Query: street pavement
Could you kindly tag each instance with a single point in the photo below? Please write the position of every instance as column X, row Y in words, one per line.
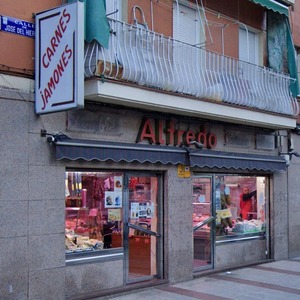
column 279, row 280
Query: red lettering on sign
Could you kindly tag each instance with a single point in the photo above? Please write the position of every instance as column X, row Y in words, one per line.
column 146, row 132
column 212, row 141
column 56, row 38
column 56, row 75
column 188, row 137
column 153, row 131
column 170, row 131
column 159, row 132
column 178, row 137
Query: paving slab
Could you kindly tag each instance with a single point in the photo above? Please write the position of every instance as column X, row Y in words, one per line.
column 274, row 280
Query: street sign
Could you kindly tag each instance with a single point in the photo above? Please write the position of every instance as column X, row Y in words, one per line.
column 17, row 26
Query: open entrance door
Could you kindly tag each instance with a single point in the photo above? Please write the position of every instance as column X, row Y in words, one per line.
column 202, row 223
column 142, row 230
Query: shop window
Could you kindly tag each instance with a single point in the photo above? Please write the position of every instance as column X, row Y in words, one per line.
column 240, row 205
column 237, row 204
column 94, row 207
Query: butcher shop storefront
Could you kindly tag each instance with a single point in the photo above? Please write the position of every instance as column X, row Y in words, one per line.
column 144, row 191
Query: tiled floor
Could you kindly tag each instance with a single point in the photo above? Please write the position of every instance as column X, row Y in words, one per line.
column 275, row 281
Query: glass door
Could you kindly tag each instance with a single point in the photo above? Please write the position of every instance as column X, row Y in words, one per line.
column 142, row 229
column 202, row 223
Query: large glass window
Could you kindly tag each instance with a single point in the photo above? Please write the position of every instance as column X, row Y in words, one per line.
column 94, row 207
column 234, row 205
column 240, row 203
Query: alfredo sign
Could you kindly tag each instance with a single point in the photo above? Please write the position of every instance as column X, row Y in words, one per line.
column 59, row 82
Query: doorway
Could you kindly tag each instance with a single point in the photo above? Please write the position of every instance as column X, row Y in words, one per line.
column 142, row 230
column 202, row 223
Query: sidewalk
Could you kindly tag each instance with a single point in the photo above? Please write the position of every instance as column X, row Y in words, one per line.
column 275, row 280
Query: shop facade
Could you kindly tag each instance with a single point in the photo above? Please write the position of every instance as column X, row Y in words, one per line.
column 144, row 184
column 113, row 205
column 140, row 195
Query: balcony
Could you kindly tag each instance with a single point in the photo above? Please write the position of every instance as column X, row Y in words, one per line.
column 144, row 58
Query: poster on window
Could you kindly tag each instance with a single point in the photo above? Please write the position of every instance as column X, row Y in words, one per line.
column 150, row 210
column 146, row 210
column 142, row 210
column 118, row 183
column 109, row 199
column 114, row 215
column 113, row 199
column 134, row 210
column 117, row 199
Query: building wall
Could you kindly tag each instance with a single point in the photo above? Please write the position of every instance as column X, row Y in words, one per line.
column 279, row 217
column 18, row 54
column 158, row 15
column 179, row 210
column 31, row 232
column 32, row 192
column 295, row 25
column 242, row 253
column 232, row 14
column 294, row 202
column 293, row 173
column 32, row 229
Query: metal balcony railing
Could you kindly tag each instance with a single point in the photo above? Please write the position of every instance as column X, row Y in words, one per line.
column 146, row 58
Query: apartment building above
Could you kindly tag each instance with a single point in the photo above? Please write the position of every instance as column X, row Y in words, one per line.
column 220, row 60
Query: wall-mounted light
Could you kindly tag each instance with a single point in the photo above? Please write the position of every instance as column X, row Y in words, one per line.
column 197, row 144
column 53, row 137
column 288, row 156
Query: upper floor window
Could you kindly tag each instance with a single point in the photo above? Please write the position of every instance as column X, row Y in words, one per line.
column 188, row 26
column 114, row 9
column 248, row 46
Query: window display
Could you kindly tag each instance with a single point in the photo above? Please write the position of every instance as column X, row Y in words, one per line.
column 93, row 211
column 239, row 204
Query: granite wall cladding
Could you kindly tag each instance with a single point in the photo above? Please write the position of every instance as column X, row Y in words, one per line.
column 86, row 278
column 179, row 227
column 239, row 253
column 294, row 201
column 32, row 253
column 32, row 257
column 279, row 216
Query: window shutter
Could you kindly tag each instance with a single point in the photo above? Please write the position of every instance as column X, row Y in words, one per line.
column 186, row 24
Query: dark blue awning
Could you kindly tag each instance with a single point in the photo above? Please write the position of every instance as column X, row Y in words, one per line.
column 117, row 152
column 88, row 150
column 236, row 161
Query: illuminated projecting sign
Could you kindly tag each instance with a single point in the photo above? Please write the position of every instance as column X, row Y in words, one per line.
column 59, row 43
column 17, row 26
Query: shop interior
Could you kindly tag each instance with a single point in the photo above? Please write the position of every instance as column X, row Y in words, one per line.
column 95, row 209
column 226, row 207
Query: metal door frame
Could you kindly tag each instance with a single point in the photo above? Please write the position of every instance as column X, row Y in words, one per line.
column 158, row 234
column 210, row 220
